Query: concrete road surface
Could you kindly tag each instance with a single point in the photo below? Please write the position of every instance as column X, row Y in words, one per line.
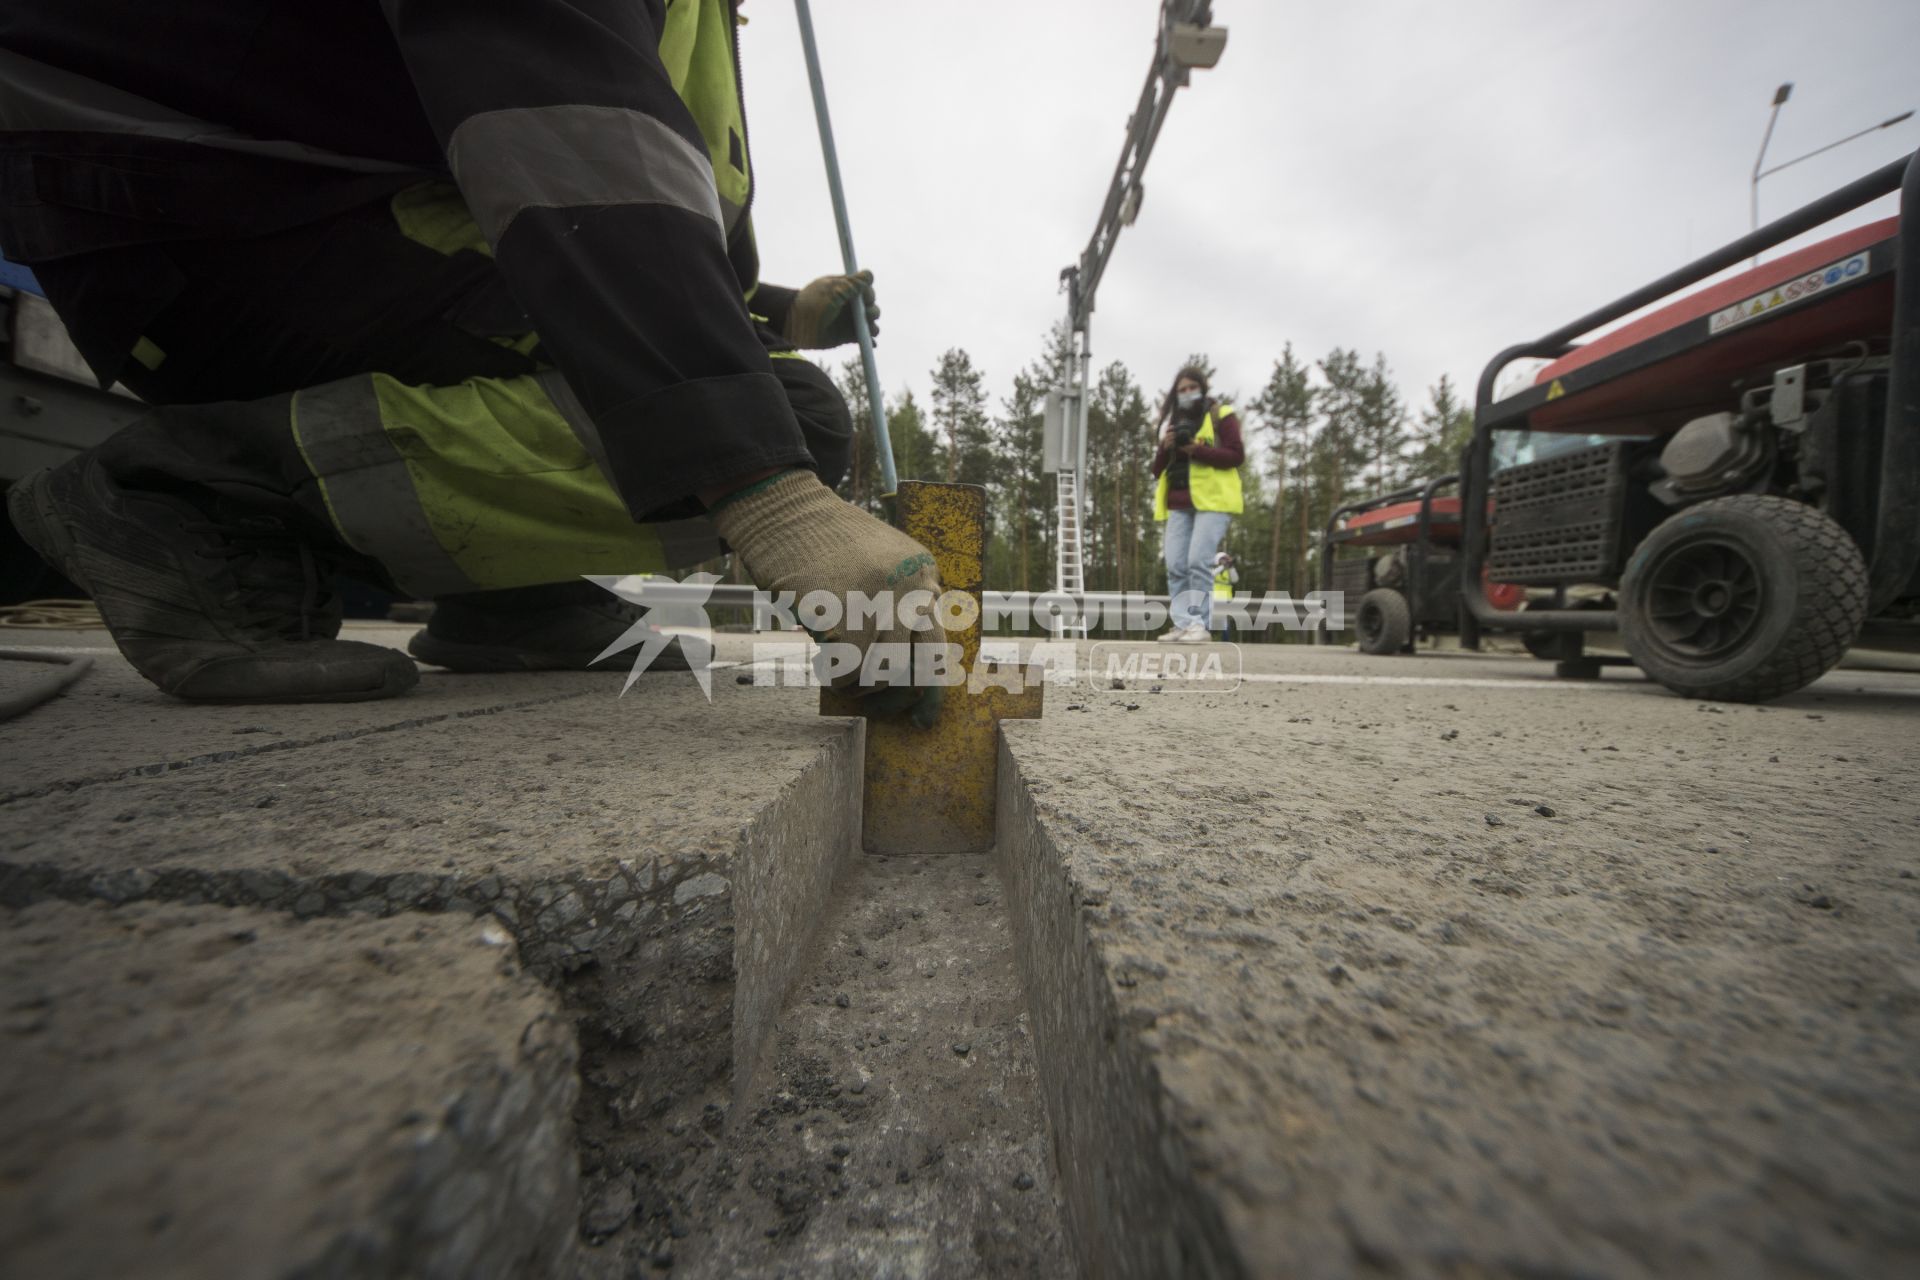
column 1323, row 965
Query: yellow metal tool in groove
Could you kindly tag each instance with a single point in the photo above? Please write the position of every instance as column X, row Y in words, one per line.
column 932, row 790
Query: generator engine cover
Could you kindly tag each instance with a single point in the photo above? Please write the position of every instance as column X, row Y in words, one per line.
column 1711, row 455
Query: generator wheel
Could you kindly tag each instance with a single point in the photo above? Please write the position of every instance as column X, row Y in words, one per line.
column 1383, row 621
column 1743, row 599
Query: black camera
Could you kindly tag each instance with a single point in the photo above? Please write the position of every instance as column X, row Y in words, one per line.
column 1186, row 425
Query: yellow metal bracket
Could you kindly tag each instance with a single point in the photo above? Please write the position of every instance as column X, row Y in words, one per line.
column 932, row 790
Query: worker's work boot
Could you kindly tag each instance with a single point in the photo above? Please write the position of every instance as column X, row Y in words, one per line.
column 210, row 601
column 563, row 626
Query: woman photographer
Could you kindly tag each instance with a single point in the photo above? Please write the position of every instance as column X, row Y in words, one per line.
column 1198, row 492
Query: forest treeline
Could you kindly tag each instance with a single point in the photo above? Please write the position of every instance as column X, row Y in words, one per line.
column 1319, row 434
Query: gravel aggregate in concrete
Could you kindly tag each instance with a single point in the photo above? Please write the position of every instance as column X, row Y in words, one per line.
column 606, row 832
column 1368, row 967
column 661, row 860
column 867, row 1146
column 1346, row 1027
column 206, row 1091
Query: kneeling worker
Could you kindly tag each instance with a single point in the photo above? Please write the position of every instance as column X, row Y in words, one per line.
column 464, row 296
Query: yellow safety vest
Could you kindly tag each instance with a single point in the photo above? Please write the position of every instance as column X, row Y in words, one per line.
column 696, row 46
column 1222, row 584
column 1211, row 488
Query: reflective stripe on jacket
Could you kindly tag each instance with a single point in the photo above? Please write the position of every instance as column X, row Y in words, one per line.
column 613, row 188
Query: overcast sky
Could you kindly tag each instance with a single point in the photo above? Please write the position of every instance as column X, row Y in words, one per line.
column 1432, row 181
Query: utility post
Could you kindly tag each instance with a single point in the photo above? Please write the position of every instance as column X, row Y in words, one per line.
column 1186, row 40
column 1780, row 97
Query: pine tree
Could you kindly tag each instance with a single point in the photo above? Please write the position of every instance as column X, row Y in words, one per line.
column 863, row 483
column 1338, row 444
column 1119, row 438
column 960, row 416
column 1446, row 427
column 1383, row 426
column 1285, row 409
column 916, row 453
column 1026, row 498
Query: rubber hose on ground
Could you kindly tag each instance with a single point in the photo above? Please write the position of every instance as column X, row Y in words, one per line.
column 73, row 666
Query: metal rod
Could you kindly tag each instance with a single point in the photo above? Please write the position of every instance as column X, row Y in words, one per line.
column 882, row 446
column 1784, row 164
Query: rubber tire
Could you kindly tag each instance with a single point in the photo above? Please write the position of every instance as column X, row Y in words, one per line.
column 1393, row 621
column 1813, row 598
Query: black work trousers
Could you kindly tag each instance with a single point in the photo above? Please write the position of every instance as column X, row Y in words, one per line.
column 247, row 322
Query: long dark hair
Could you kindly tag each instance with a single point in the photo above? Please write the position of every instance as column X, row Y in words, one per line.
column 1172, row 399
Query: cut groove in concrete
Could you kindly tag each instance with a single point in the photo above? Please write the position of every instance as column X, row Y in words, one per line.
column 670, row 923
column 895, row 1125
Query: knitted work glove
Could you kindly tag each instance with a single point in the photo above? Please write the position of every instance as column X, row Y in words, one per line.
column 822, row 313
column 794, row 535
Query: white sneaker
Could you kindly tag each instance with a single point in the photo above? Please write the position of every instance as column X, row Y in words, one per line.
column 1172, row 635
column 1195, row 634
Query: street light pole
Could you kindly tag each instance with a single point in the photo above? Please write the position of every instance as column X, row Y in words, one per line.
column 1779, row 96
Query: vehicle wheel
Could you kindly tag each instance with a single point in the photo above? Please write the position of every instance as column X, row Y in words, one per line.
column 1743, row 599
column 1384, row 621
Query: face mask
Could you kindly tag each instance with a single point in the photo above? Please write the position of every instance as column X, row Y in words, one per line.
column 1188, row 399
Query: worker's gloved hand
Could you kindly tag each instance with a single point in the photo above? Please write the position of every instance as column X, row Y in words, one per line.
column 822, row 313
column 794, row 534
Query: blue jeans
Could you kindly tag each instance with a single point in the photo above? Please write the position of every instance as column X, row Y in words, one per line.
column 1192, row 539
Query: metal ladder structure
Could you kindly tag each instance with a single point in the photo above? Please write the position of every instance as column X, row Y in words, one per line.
column 1069, row 578
column 1186, row 40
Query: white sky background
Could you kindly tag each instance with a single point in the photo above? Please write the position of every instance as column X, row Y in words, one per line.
column 1435, row 181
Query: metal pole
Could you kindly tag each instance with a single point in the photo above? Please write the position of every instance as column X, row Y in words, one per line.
column 1780, row 96
column 882, row 446
column 1083, row 358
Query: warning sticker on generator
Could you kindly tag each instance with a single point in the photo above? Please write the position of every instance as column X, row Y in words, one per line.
column 1796, row 290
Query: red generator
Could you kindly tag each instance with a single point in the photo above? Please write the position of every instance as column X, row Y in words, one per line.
column 1395, row 559
column 1751, row 506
